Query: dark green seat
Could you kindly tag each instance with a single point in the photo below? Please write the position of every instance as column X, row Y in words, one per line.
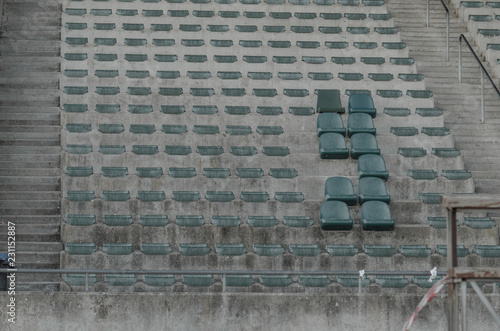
column 120, row 280
column 268, row 249
column 80, row 195
column 186, row 196
column 159, row 280
column 275, row 150
column 379, row 250
column 148, row 172
column 181, row 172
column 480, row 222
column 249, row 172
column 305, row 249
column 329, row 101
column 117, row 248
column 352, row 281
column 372, row 189
column 486, row 250
column 376, row 215
column 422, row 174
column 283, row 172
column 153, row 220
column 80, row 219
column 437, row 222
column 340, row 189
column 254, row 196
column 414, row 250
column 216, row 172
column 360, row 123
column 462, row 251
column 79, row 279
column 189, row 220
column 342, row 250
column 298, row 221
column 424, row 281
column 219, row 196
column 333, row 146
column 262, row 221
column 362, row 103
column 363, row 143
column 334, row 215
column 112, row 149
column 80, row 248
column 198, row 280
column 430, row 198
column 115, row 195
column 239, row 280
column 155, row 249
column 151, row 195
column 330, row 122
column 397, row 281
column 194, row 249
column 226, row 220
column 243, row 150
column 371, row 165
column 79, row 171
column 230, row 249
column 290, row 197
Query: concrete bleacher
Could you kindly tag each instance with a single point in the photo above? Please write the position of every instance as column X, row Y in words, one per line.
column 188, row 92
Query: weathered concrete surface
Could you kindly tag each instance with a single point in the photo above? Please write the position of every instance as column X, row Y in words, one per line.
column 210, row 311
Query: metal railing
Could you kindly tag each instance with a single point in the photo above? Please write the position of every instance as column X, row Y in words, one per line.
column 483, row 72
column 447, row 27
column 222, row 273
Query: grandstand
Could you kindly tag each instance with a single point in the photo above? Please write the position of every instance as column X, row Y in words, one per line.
column 276, row 147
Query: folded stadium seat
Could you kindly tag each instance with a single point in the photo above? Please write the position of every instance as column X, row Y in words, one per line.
column 173, row 172
column 198, row 280
column 79, row 279
column 80, row 248
column 249, row 172
column 79, row 171
column 424, row 281
column 155, row 248
column 298, row 221
column 75, row 56
column 80, row 219
column 283, row 172
column 340, row 189
column 117, row 220
column 268, row 249
column 225, row 220
column 333, row 146
column 153, row 220
column 391, row 281
column 120, row 280
column 330, row 122
column 362, row 103
column 230, row 249
column 371, row 165
column 80, row 195
column 334, row 215
column 239, row 280
column 379, row 250
column 437, row 222
column 304, row 249
column 262, row 221
column 372, row 189
column 118, row 248
column 329, row 101
column 151, row 195
column 116, row 195
column 216, row 172
column 414, row 250
column 462, row 251
column 342, row 250
column 194, row 249
column 360, row 123
column 376, row 215
column 314, row 281
column 159, row 280
column 422, row 174
column 363, row 143
column 478, row 222
column 111, row 149
column 486, row 250
column 219, row 196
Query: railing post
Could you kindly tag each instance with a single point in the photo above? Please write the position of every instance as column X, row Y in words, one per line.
column 464, row 305
column 224, row 283
column 428, row 13
column 447, row 35
column 482, row 95
column 460, row 59
column 86, row 282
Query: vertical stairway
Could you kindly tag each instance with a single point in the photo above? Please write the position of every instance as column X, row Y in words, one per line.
column 30, row 136
column 461, row 103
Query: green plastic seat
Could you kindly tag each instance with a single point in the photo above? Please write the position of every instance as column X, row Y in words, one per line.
column 305, row 249
column 330, row 30
column 173, row 110
column 117, row 220
column 274, row 28
column 79, row 171
column 75, row 11
column 358, row 29
column 340, row 189
column 379, row 250
column 181, row 172
column 360, row 123
column 289, row 197
column 206, row 129
column 111, row 149
column 126, row 12
column 149, row 172
column 80, row 195
column 269, row 130
column 373, row 2
column 75, row 56
column 190, row 220
column 405, row 131
column 269, row 111
column 302, row 111
column 216, row 172
column 390, row 93
column 177, row 150
column 141, row 74
column 262, row 221
column 402, row 61
column 343, row 60
column 412, row 151
column 391, row 281
column 198, row 280
column 226, row 220
column 254, row 196
column 380, row 17
column 75, row 90
column 79, row 279
column 219, row 196
column 238, row 130
column 76, row 73
column 320, row 75
column 140, row 109
column 159, row 280
column 249, row 172
column 144, row 149
column 333, row 146
column 230, row 249
column 436, row 131
column 350, row 76
column 397, row 112
column 80, row 219
column 480, row 222
column 414, row 250
column 284, row 59
column 275, row 150
column 229, row 74
column 233, row 92
column 275, row 280
column 371, row 165
column 165, row 58
column 363, row 143
column 471, row 4
column 423, row 281
column 120, row 280
column 372, row 189
column 117, row 248
column 342, row 250
column 352, row 281
column 437, row 222
column 234, row 14
column 170, row 91
column 280, row 15
column 174, row 128
column 250, row 43
column 422, row 174
column 298, row 221
column 486, row 250
column 376, row 216
column 142, row 128
column 430, row 198
column 362, row 103
column 114, row 171
column 78, row 149
column 329, row 101
column 355, row 16
column 153, row 220
column 107, row 90
column 263, row 92
column 348, row 2
column 446, row 152
column 334, row 215
column 205, row 109
column 462, row 251
column 194, row 249
column 111, row 128
column 373, row 60
column 283, row 172
column 386, row 30
column 237, row 110
column 186, row 196
column 268, row 249
column 331, row 16
column 239, row 280
column 314, row 59
column 80, row 248
column 150, row 196
column 259, row 75
column 243, row 150
column 209, row 150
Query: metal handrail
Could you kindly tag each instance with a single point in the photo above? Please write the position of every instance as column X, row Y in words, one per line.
column 223, row 273
column 483, row 72
column 447, row 27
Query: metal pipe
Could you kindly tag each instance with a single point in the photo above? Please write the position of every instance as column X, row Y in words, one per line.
column 464, row 305
column 460, row 59
column 86, row 282
column 223, row 283
column 482, row 96
column 485, row 301
column 447, row 34
column 428, row 12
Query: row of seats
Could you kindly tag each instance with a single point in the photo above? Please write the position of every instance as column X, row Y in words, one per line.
column 301, row 250
column 186, row 196
column 248, row 280
column 369, row 189
column 189, row 220
column 187, row 172
column 179, row 150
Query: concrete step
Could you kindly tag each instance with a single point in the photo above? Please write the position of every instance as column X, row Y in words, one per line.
column 29, row 150
column 31, row 219
column 33, row 233
column 8, row 110
column 39, row 196
column 33, row 247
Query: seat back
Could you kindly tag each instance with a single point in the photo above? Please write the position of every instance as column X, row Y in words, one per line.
column 360, row 123
column 372, row 165
column 340, row 189
column 330, row 122
column 362, row 103
column 329, row 101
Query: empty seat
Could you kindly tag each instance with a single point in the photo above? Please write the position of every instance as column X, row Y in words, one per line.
column 249, row 172
column 80, row 219
column 391, row 281
column 151, row 195
column 462, row 251
column 80, row 248
column 480, row 222
column 153, row 220
column 340, row 189
column 254, row 196
column 290, row 197
column 226, row 220
column 305, row 249
column 456, row 174
column 486, row 250
column 115, row 195
column 181, row 172
column 298, row 221
column 155, row 248
column 117, row 248
column 334, row 215
column 230, row 249
column 363, row 143
column 79, row 171
column 79, row 279
column 198, row 280
column 371, row 165
column 189, row 220
column 283, row 172
column 376, row 215
column 379, row 250
column 360, row 123
column 159, row 280
column 329, row 101
column 333, row 146
column 362, row 103
column 422, row 174
column 353, row 281
column 342, row 250
column 430, row 198
column 216, row 172
column 330, row 122
column 372, row 189
column 186, row 196
column 80, row 195
column 239, row 280
column 120, row 280
column 262, row 221
column 414, row 250
column 148, row 172
column 437, row 222
column 275, row 280
column 219, row 196
column 268, row 249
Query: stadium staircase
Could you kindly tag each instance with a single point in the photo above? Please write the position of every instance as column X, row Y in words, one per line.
column 30, row 189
